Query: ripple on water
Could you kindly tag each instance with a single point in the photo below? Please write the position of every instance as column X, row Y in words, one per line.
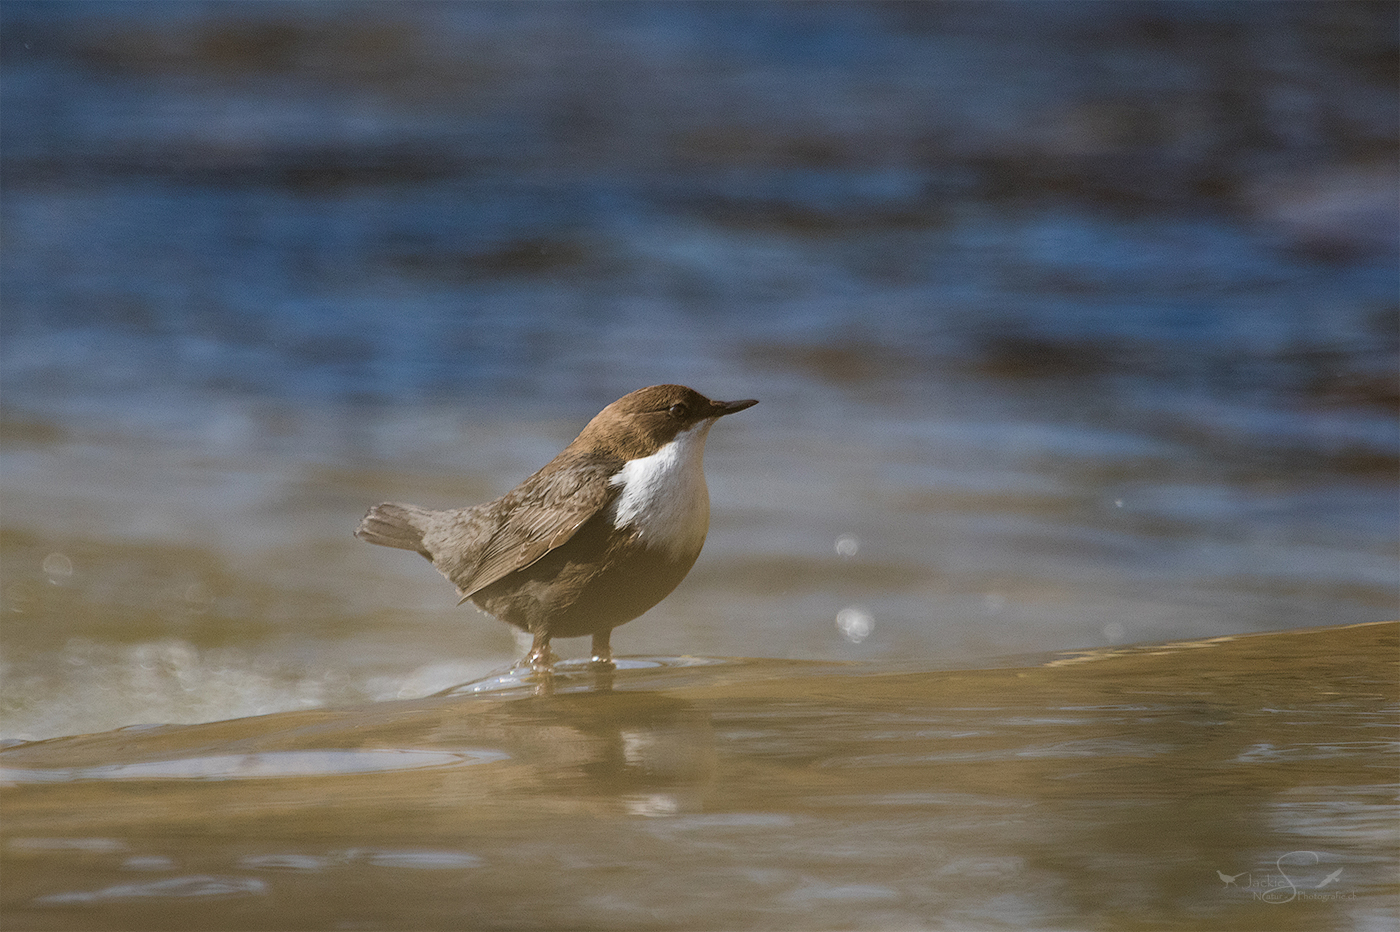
column 148, row 862
column 571, row 674
column 86, row 845
column 198, row 886
column 414, row 858
column 259, row 766
column 285, row 862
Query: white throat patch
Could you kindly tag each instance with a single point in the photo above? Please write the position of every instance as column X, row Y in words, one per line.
column 664, row 497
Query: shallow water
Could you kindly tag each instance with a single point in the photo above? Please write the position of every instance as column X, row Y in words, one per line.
column 1104, row 789
column 1074, row 326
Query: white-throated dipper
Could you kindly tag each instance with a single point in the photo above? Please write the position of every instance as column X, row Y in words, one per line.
column 598, row 536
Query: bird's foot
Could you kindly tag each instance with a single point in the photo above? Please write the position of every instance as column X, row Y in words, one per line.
column 541, row 660
column 601, row 656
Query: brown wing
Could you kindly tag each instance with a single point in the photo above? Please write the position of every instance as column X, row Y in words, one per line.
column 478, row 546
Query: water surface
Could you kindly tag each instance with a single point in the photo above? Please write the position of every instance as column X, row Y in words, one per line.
column 1074, row 327
column 1104, row 789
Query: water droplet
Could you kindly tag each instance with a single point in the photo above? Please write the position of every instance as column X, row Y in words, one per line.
column 847, row 545
column 855, row 624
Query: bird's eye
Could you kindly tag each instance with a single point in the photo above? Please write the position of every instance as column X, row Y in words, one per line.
column 678, row 410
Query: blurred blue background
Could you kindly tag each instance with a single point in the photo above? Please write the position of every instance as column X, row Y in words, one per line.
column 1073, row 324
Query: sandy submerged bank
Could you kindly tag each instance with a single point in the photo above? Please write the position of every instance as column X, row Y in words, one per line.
column 698, row 794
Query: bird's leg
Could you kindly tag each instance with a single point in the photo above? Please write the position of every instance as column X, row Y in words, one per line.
column 602, row 665
column 602, row 647
column 540, row 656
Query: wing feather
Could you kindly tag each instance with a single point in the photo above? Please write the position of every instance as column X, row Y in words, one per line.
column 475, row 547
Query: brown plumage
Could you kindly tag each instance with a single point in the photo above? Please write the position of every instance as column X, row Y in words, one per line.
column 596, row 537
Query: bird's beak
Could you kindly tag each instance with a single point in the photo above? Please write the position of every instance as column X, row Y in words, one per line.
column 721, row 408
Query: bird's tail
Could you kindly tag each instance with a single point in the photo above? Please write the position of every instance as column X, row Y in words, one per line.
column 394, row 525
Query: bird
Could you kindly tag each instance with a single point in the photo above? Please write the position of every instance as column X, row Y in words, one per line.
column 593, row 539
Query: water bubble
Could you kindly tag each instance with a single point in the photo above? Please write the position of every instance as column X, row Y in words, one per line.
column 855, row 624
column 847, row 545
column 1114, row 632
column 993, row 603
column 57, row 567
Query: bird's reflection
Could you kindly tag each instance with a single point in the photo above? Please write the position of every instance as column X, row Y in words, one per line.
column 583, row 741
column 649, row 753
